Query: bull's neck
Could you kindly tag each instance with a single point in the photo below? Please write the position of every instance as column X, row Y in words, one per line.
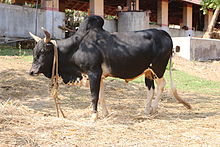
column 65, row 59
column 70, row 44
column 66, row 49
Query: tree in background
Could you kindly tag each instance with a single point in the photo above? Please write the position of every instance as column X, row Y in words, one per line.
column 215, row 5
column 72, row 21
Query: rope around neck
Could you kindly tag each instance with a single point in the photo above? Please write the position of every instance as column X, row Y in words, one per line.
column 54, row 81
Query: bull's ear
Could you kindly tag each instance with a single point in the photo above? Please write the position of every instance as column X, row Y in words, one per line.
column 36, row 38
column 47, row 35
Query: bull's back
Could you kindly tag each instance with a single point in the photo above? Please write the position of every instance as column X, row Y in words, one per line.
column 162, row 39
column 148, row 41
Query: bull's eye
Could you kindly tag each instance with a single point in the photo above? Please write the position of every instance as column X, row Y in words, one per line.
column 37, row 56
column 49, row 46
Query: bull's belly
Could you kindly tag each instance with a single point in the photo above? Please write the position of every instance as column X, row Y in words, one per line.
column 129, row 72
column 128, row 75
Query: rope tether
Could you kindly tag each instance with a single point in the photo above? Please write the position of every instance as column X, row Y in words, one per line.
column 54, row 81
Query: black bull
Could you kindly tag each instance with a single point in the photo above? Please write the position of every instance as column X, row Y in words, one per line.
column 99, row 54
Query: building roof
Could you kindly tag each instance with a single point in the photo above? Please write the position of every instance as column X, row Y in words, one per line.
column 193, row 1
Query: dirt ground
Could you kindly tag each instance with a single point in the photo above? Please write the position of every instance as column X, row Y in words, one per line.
column 28, row 118
column 207, row 70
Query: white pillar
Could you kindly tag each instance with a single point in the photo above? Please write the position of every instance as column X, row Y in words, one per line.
column 187, row 18
column 187, row 15
column 162, row 14
column 96, row 7
column 136, row 4
column 50, row 5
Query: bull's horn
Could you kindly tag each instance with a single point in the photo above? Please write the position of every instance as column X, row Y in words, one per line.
column 47, row 35
column 36, row 38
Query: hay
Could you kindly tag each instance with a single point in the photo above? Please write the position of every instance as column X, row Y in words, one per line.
column 27, row 115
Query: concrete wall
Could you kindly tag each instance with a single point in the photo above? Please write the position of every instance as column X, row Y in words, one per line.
column 185, row 33
column 110, row 25
column 180, row 32
column 205, row 49
column 132, row 21
column 17, row 21
column 198, row 49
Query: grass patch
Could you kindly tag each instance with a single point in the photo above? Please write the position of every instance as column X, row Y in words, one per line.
column 6, row 50
column 186, row 82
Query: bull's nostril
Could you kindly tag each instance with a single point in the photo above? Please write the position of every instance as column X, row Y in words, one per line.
column 31, row 73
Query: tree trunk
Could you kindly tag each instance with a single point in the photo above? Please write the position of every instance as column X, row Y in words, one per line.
column 209, row 31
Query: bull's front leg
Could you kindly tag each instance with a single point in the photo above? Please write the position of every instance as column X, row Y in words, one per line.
column 94, row 81
column 102, row 99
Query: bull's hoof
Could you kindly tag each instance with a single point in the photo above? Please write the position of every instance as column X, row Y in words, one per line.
column 153, row 110
column 94, row 117
column 105, row 113
column 148, row 111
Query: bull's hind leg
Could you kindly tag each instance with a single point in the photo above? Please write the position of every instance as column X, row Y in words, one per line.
column 150, row 94
column 160, row 87
column 102, row 99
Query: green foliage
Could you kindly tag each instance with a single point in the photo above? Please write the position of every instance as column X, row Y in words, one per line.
column 109, row 17
column 6, row 1
column 74, row 18
column 26, row 3
column 209, row 4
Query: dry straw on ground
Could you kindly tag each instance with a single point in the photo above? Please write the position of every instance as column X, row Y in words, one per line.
column 28, row 118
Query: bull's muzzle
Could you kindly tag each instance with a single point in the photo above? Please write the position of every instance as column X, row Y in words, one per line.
column 33, row 73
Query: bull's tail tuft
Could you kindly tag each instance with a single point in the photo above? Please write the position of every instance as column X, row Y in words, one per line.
column 174, row 91
column 179, row 99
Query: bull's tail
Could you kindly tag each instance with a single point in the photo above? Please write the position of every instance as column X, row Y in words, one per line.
column 174, row 91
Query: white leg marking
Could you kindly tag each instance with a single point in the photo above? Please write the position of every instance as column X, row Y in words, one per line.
column 160, row 87
column 102, row 99
column 94, row 117
column 150, row 95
